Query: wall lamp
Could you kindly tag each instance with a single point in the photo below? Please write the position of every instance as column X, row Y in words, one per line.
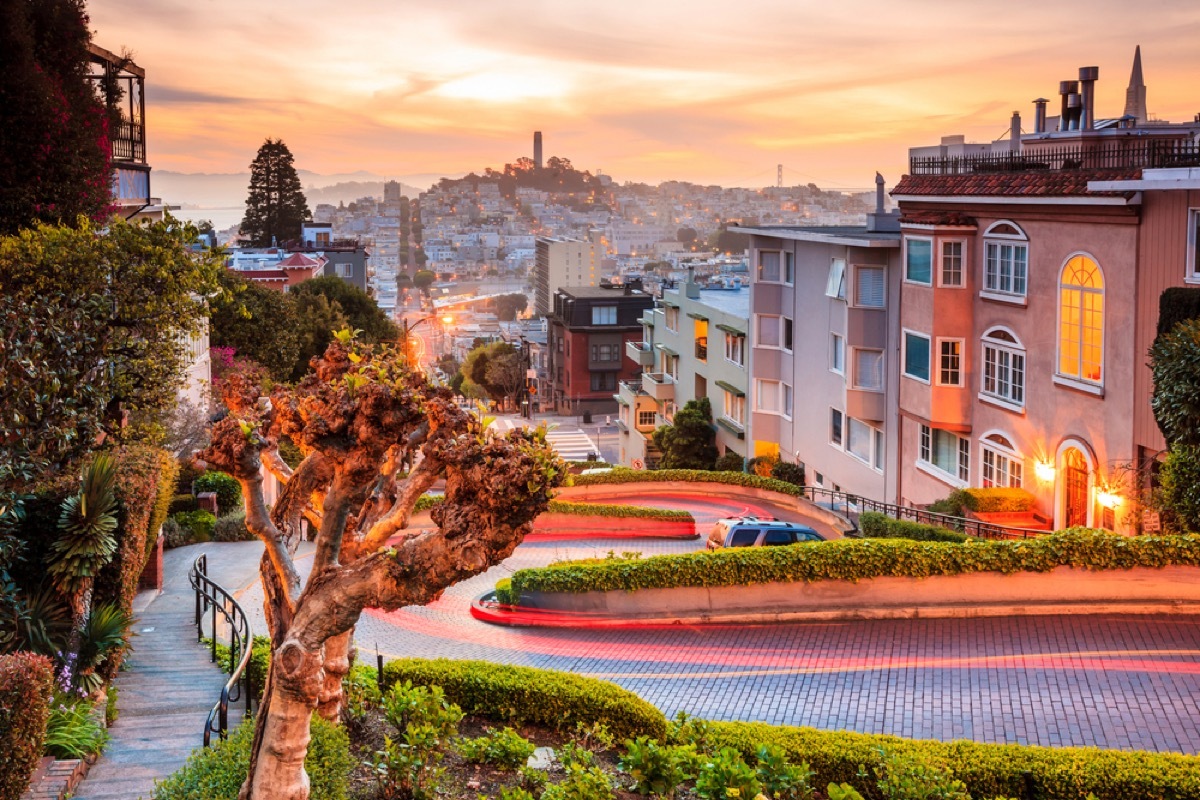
column 1044, row 470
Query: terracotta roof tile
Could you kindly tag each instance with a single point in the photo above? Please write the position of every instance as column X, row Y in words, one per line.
column 938, row 218
column 1050, row 183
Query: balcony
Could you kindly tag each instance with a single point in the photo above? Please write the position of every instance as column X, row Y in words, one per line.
column 1128, row 153
column 640, row 353
column 659, row 385
column 865, row 405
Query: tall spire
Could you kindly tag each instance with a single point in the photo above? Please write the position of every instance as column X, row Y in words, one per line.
column 1135, row 95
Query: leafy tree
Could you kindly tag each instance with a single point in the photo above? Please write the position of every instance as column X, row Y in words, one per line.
column 423, row 279
column 258, row 323
column 498, row 369
column 508, row 306
column 319, row 318
column 55, row 156
column 690, row 443
column 685, row 235
column 360, row 415
column 1175, row 366
column 275, row 206
column 131, row 298
column 1179, row 479
column 361, row 310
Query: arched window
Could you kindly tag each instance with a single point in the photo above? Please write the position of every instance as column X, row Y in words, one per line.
column 1003, row 376
column 1002, row 464
column 1081, row 320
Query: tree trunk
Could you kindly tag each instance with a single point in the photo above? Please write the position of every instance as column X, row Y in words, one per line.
column 337, row 664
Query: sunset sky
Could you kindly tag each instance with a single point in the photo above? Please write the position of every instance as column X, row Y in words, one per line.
column 713, row 92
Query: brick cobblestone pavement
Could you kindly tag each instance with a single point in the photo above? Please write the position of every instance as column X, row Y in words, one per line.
column 1127, row 682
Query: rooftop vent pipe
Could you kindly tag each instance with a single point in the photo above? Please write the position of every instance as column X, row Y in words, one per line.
column 1088, row 77
column 1065, row 90
column 1039, row 115
column 1074, row 111
column 879, row 183
column 1015, row 132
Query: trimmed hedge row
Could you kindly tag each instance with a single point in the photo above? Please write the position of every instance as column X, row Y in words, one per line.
column 217, row 773
column 988, row 770
column 856, row 559
column 874, row 525
column 985, row 501
column 426, row 501
column 523, row 695
column 623, row 475
column 26, row 685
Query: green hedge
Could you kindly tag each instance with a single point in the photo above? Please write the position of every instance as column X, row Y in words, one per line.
column 426, row 501
column 855, row 559
column 874, row 525
column 1175, row 305
column 217, row 773
column 26, row 684
column 622, row 475
column 226, row 488
column 523, row 695
column 988, row 770
column 985, row 501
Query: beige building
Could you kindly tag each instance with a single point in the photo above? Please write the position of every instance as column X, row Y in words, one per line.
column 560, row 263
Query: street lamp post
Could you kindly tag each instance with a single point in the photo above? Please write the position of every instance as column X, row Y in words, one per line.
column 406, row 329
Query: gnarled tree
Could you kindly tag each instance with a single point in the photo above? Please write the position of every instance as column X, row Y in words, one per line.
column 357, row 417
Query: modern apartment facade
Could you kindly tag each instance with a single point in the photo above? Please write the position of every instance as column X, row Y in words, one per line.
column 588, row 331
column 823, row 334
column 693, row 345
column 559, row 263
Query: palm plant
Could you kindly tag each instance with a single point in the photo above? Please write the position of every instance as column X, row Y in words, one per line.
column 86, row 542
column 106, row 632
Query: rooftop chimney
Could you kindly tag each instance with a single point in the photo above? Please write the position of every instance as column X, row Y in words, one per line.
column 691, row 289
column 1065, row 90
column 1039, row 115
column 881, row 221
column 879, row 200
column 1074, row 111
column 1015, row 133
column 1088, row 77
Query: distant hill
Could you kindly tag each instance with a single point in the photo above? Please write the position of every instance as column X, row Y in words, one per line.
column 228, row 190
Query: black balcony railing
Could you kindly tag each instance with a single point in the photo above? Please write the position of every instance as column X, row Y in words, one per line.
column 1121, row 154
column 129, row 142
column 850, row 506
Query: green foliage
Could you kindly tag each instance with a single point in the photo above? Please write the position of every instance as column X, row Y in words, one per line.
column 522, row 695
column 504, row 592
column 1175, row 366
column 789, row 473
column 182, row 502
column 730, row 462
column 504, row 748
column 105, row 638
column 874, row 525
column 87, row 530
column 996, row 499
column 517, row 792
column 781, row 779
column 55, row 152
column 319, row 317
column 175, row 535
column 508, row 306
column 258, row 666
column 1179, row 479
column 408, row 768
column 71, row 731
column 406, row 706
column 658, row 769
column 361, row 311
column 621, row 475
column 218, row 772
column 261, row 324
column 686, row 729
column 111, row 712
column 275, row 205
column 724, row 775
column 232, row 528
column 226, row 487
column 423, row 279
column 582, row 783
column 842, row 791
column 426, row 501
column 1175, row 305
column 360, row 694
column 533, row 781
column 199, row 523
column 497, row 368
column 913, row 776
column 858, row 559
column 987, row 770
column 690, row 441
column 26, row 685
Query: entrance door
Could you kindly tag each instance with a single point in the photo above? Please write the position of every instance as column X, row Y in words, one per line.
column 1075, row 492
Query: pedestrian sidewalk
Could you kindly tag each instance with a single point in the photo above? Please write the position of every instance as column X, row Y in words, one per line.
column 169, row 683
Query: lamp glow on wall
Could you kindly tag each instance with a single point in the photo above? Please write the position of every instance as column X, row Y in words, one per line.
column 1044, row 470
column 1108, row 499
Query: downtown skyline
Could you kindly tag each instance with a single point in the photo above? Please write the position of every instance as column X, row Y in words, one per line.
column 645, row 92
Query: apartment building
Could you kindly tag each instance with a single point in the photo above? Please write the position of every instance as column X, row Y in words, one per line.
column 559, row 263
column 824, row 334
column 693, row 345
column 588, row 330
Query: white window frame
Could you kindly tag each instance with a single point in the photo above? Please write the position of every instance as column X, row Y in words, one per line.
column 1191, row 273
column 787, row 334
column 789, row 268
column 671, row 318
column 758, row 318
column 735, row 403
column 904, row 334
column 786, row 398
column 993, row 239
column 989, row 447
column 835, row 284
column 870, row 433
column 344, row 269
column 601, row 313
column 837, row 353
column 932, row 260
column 764, row 389
column 857, row 355
column 642, row 411
column 840, row 416
column 758, row 267
column 941, row 365
column 962, row 460
column 860, row 268
column 962, row 264
column 735, row 345
column 1014, row 350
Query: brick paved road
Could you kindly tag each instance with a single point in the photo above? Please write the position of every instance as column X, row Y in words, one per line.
column 1108, row 681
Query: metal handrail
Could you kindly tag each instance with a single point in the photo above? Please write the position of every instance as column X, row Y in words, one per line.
column 971, row 527
column 213, row 598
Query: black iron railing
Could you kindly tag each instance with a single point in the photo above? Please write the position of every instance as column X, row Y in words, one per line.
column 129, row 141
column 1121, row 154
column 211, row 600
column 850, row 506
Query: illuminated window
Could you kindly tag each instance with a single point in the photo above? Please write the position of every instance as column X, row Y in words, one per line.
column 1081, row 321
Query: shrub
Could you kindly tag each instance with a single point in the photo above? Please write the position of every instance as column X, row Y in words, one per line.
column 762, row 465
column 874, row 525
column 781, row 779
column 505, row 749
column 182, row 502
column 987, row 770
column 227, row 489
column 730, row 462
column 504, row 592
column 175, row 535
column 26, row 684
column 232, row 528
column 914, row 776
column 71, row 731
column 582, row 783
column 257, row 667
column 200, row 523
column 726, row 776
column 658, row 769
column 788, row 473
column 857, row 559
column 999, row 500
column 217, row 773
column 1175, row 305
column 425, row 722
column 610, row 510
column 618, row 476
column 521, row 695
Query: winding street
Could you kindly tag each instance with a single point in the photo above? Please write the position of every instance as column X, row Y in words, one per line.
column 1126, row 682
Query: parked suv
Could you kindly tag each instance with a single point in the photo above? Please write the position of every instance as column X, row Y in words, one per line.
column 755, row 532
